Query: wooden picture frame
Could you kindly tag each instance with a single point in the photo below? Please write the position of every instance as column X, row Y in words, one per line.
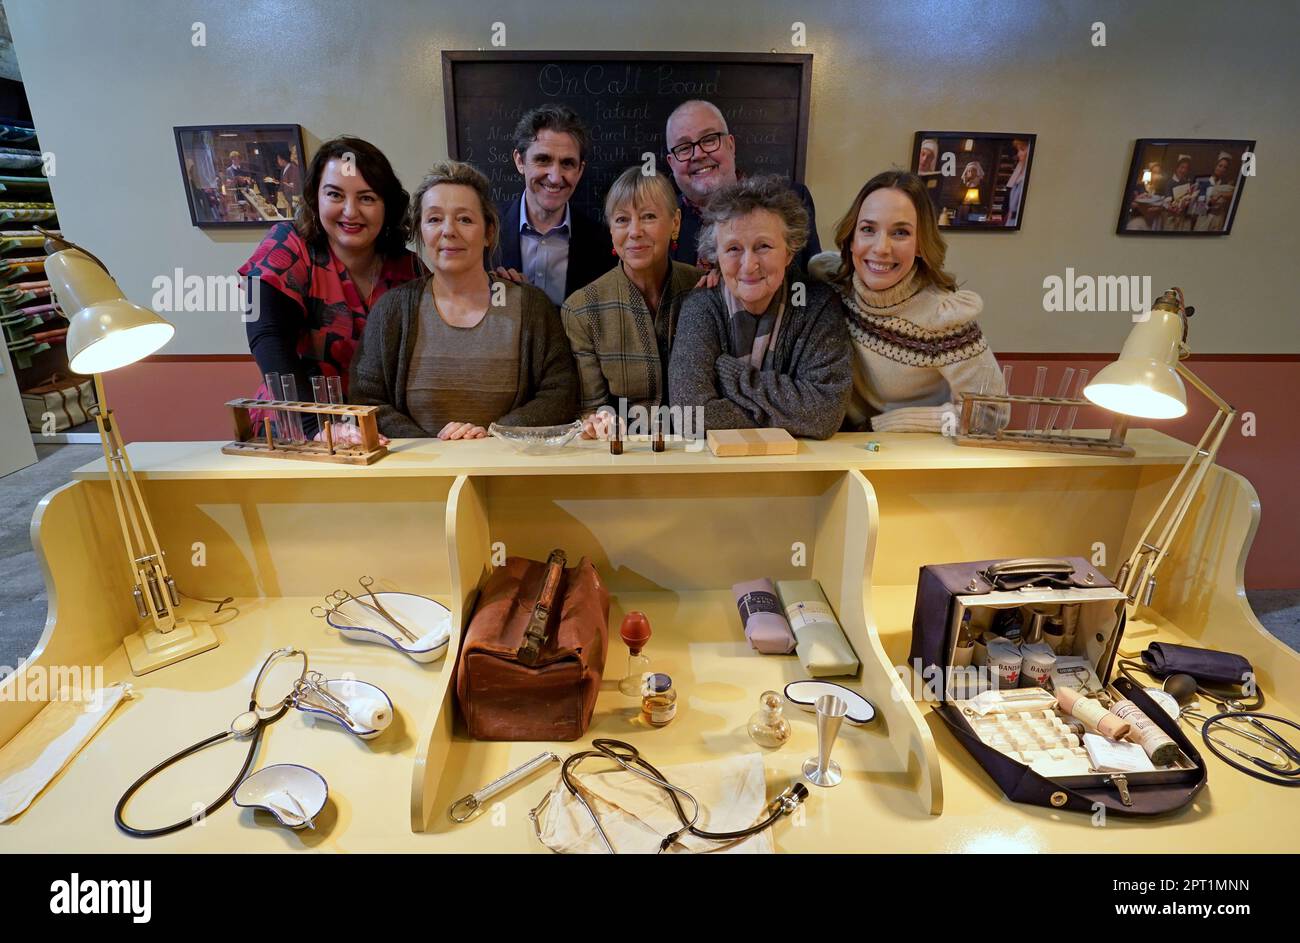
column 219, row 195
column 974, row 177
column 1157, row 201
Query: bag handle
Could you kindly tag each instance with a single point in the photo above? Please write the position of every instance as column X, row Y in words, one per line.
column 530, row 649
column 1025, row 571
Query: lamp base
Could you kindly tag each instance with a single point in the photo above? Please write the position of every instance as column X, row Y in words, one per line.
column 148, row 649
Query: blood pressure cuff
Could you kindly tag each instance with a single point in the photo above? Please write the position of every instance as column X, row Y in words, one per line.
column 1163, row 659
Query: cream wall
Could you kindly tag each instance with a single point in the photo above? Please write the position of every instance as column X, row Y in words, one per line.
column 108, row 79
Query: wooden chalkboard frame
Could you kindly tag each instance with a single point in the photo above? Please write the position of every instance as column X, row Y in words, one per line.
column 804, row 60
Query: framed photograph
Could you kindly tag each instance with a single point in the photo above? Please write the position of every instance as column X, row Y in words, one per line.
column 240, row 174
column 1184, row 186
column 976, row 179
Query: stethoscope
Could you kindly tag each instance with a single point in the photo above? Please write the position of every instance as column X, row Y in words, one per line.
column 1279, row 764
column 629, row 759
column 249, row 725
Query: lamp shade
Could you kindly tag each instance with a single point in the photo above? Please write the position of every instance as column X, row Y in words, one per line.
column 105, row 331
column 1144, row 380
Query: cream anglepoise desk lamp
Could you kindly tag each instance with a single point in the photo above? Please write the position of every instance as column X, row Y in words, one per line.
column 1147, row 381
column 105, row 331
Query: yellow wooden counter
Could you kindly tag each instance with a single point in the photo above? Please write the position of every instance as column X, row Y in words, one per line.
column 670, row 533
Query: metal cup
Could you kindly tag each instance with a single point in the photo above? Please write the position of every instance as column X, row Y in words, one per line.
column 821, row 770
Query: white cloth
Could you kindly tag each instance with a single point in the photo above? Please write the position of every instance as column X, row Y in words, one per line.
column 637, row 814
column 40, row 750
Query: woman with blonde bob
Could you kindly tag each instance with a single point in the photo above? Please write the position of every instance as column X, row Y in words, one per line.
column 621, row 326
column 916, row 346
column 448, row 354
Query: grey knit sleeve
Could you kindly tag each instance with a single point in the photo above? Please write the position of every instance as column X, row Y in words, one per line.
column 553, row 379
column 373, row 372
column 692, row 374
column 810, row 400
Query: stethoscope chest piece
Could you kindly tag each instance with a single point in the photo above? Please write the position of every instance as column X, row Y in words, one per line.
column 245, row 725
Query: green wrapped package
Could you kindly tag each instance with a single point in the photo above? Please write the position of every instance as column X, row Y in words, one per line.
column 820, row 643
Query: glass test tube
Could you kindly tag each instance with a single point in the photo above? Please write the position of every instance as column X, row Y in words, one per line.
column 1040, row 380
column 1078, row 394
column 1006, row 388
column 320, row 393
column 1066, row 379
column 335, row 385
column 293, row 421
column 275, row 418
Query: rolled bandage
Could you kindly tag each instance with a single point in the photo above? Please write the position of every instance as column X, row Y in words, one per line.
column 1157, row 744
column 427, row 641
column 371, row 714
column 1092, row 714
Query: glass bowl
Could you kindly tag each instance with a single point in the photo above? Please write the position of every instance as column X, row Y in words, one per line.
column 536, row 440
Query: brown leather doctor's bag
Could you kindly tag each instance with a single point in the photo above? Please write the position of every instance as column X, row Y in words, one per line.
column 531, row 661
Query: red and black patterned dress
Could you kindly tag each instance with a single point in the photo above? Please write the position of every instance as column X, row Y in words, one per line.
column 314, row 328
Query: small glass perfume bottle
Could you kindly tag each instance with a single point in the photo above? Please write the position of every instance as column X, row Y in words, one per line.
column 658, row 700
column 635, row 632
column 768, row 726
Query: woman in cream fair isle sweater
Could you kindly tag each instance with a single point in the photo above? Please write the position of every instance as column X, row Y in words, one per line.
column 916, row 345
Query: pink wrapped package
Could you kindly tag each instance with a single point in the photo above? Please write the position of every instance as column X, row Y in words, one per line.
column 765, row 623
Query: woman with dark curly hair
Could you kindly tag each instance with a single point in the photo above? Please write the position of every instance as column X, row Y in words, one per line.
column 321, row 274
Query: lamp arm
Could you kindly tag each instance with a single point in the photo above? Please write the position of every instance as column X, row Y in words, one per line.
column 1137, row 577
column 155, row 591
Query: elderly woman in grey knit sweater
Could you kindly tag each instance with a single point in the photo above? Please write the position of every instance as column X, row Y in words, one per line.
column 766, row 347
column 449, row 354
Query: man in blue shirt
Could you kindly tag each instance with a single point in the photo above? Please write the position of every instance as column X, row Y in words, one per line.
column 544, row 241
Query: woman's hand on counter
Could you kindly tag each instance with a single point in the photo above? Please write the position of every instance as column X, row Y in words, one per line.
column 462, row 430
column 598, row 425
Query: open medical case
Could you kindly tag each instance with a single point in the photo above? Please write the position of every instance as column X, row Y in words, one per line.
column 975, row 593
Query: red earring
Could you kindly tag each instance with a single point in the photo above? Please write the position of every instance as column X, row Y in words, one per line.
column 672, row 246
column 613, row 251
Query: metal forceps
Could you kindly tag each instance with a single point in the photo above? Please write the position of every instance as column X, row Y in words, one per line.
column 367, row 582
column 312, row 685
column 336, row 599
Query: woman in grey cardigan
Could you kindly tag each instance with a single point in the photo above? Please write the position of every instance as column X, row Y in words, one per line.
column 766, row 347
column 449, row 354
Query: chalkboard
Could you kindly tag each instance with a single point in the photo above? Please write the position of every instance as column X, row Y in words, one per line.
column 624, row 98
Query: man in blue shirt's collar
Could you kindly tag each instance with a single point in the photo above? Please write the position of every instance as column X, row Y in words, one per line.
column 544, row 242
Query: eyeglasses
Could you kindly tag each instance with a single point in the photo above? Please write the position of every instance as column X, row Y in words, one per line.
column 708, row 144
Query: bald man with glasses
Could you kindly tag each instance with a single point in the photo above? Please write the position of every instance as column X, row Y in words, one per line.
column 702, row 156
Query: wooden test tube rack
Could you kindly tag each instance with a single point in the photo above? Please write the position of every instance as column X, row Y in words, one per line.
column 368, row 451
column 1040, row 440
